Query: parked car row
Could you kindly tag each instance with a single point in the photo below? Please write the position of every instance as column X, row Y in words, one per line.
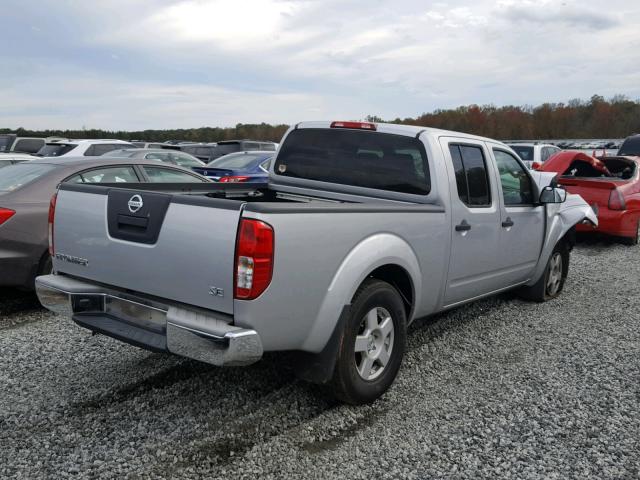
column 10, row 142
column 531, row 153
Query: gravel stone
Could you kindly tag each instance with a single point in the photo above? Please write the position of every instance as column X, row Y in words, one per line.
column 500, row 388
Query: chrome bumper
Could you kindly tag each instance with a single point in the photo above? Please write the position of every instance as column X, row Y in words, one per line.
column 206, row 337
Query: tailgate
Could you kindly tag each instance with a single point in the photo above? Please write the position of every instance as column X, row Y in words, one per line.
column 175, row 247
column 212, row 172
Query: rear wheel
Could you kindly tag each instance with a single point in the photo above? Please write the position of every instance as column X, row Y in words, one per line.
column 46, row 265
column 372, row 345
column 551, row 282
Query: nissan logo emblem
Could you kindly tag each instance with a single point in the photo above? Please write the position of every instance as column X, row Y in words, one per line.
column 135, row 203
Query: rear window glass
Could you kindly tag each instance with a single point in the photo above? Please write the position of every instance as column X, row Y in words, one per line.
column 525, row 153
column 55, row 149
column 5, row 143
column 353, row 157
column 203, row 151
column 235, row 161
column 28, row 145
column 224, row 148
column 631, row 146
column 18, row 175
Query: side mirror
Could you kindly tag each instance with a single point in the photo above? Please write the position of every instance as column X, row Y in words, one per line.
column 553, row 195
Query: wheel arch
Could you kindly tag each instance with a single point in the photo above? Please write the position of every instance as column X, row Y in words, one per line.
column 384, row 256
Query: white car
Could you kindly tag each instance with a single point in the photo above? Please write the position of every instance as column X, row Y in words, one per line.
column 7, row 159
column 534, row 152
column 82, row 148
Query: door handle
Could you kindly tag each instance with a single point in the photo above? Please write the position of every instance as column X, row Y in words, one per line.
column 463, row 227
column 508, row 223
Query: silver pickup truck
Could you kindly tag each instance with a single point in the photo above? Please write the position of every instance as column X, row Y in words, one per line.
column 361, row 229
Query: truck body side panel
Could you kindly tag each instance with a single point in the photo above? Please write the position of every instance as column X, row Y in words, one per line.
column 321, row 259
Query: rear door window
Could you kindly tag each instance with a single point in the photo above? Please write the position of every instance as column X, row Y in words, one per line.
column 106, row 175
column 359, row 158
column 472, row 179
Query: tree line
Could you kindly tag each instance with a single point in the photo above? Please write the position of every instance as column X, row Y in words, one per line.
column 597, row 117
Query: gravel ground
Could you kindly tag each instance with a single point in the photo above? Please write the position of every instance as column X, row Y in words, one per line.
column 501, row 388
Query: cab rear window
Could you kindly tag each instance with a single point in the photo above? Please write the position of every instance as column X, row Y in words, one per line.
column 358, row 158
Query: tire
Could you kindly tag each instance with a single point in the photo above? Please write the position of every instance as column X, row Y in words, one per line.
column 551, row 283
column 372, row 344
column 45, row 268
column 633, row 240
column 46, row 265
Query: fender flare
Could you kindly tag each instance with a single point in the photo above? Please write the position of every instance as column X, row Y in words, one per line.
column 561, row 219
column 369, row 254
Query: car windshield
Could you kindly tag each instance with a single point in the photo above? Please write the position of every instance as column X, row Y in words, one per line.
column 55, row 149
column 234, row 161
column 185, row 160
column 5, row 143
column 524, row 152
column 18, row 175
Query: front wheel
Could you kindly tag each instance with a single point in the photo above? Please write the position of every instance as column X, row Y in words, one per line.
column 372, row 345
column 551, row 282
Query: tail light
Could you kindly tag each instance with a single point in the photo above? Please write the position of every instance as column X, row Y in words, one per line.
column 616, row 200
column 254, row 259
column 6, row 214
column 52, row 213
column 356, row 125
column 233, row 179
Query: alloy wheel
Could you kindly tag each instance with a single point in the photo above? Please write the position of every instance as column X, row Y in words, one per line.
column 554, row 280
column 374, row 343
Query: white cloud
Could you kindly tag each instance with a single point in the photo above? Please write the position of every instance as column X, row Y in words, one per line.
column 218, row 62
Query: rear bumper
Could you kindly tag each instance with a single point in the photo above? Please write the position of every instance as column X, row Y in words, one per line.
column 17, row 270
column 621, row 223
column 204, row 336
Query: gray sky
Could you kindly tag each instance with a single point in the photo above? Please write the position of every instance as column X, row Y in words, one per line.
column 133, row 64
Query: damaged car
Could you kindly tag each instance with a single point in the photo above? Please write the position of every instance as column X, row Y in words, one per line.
column 611, row 185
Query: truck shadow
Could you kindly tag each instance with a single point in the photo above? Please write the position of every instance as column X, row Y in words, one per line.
column 13, row 300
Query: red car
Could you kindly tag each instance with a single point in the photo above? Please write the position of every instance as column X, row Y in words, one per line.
column 611, row 185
